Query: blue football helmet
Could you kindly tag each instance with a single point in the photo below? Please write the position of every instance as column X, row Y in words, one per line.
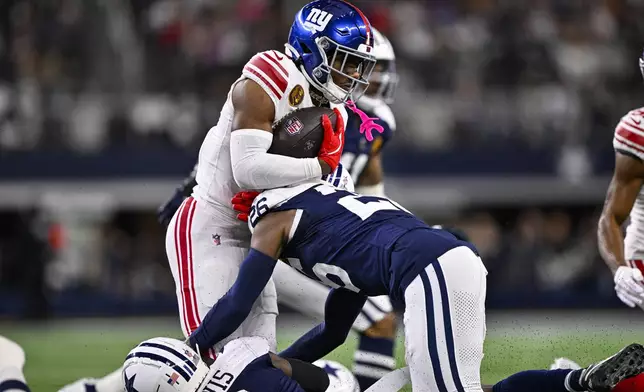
column 332, row 43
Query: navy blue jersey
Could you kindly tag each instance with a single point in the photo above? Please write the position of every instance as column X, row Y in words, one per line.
column 357, row 149
column 261, row 376
column 346, row 240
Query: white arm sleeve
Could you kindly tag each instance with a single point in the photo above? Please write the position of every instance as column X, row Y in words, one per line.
column 254, row 168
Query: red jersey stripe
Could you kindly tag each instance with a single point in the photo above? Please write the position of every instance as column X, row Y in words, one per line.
column 633, row 137
column 270, row 56
column 625, row 143
column 264, row 80
column 271, row 73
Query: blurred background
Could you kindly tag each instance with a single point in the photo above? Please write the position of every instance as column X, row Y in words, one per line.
column 505, row 112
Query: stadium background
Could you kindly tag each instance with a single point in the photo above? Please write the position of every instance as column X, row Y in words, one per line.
column 505, row 115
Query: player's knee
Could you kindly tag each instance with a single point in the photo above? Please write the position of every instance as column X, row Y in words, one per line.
column 385, row 328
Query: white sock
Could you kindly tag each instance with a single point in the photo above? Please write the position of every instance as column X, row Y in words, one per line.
column 13, row 380
column 113, row 382
column 392, row 381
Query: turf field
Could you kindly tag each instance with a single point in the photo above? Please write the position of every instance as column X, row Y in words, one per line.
column 60, row 352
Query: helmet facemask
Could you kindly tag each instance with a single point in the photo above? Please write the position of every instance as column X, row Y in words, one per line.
column 383, row 81
column 345, row 70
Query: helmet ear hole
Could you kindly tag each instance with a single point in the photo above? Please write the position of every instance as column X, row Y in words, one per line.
column 305, row 48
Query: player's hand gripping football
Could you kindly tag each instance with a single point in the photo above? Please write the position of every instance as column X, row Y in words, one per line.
column 333, row 142
column 629, row 285
column 242, row 203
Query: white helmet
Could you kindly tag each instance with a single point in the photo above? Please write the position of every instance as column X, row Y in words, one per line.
column 342, row 380
column 385, row 71
column 163, row 365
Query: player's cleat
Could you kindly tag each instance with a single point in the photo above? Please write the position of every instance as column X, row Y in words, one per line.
column 82, row 385
column 605, row 375
column 564, row 363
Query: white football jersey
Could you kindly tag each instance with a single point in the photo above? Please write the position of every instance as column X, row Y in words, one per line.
column 629, row 139
column 229, row 364
column 288, row 88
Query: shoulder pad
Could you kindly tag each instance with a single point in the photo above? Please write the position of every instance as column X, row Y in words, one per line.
column 272, row 198
column 629, row 134
column 267, row 70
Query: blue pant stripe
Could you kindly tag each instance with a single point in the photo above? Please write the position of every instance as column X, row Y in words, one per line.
column 449, row 335
column 432, row 343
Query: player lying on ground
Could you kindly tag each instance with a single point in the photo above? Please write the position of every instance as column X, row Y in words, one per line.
column 246, row 364
column 12, row 360
column 327, row 60
column 376, row 323
column 366, row 246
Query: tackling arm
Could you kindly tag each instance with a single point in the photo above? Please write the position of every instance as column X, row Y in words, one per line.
column 255, row 271
column 253, row 167
column 622, row 192
column 341, row 309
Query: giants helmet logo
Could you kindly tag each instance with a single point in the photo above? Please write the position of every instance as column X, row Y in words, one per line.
column 317, row 19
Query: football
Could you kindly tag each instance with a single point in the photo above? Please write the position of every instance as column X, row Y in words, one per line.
column 299, row 134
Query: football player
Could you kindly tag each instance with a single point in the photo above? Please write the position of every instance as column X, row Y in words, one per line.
column 376, row 323
column 12, row 360
column 245, row 364
column 369, row 246
column 625, row 199
column 327, row 60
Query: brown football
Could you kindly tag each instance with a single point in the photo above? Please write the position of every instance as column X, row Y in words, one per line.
column 299, row 134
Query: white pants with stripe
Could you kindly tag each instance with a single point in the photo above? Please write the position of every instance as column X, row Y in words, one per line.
column 445, row 324
column 308, row 297
column 204, row 257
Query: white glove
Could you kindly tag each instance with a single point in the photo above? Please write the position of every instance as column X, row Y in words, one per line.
column 629, row 285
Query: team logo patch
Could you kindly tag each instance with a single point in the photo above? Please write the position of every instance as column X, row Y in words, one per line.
column 296, row 95
column 216, row 238
column 309, row 145
column 294, row 126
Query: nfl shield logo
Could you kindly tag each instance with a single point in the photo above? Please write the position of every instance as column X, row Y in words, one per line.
column 216, row 238
column 294, row 126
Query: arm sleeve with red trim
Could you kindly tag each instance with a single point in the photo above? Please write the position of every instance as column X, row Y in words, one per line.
column 629, row 134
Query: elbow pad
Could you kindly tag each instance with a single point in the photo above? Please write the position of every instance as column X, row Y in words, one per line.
column 254, row 168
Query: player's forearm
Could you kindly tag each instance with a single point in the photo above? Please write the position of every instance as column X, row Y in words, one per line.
column 611, row 242
column 233, row 308
column 254, row 168
column 340, row 311
column 314, row 345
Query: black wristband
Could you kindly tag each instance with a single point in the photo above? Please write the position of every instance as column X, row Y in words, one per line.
column 310, row 377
